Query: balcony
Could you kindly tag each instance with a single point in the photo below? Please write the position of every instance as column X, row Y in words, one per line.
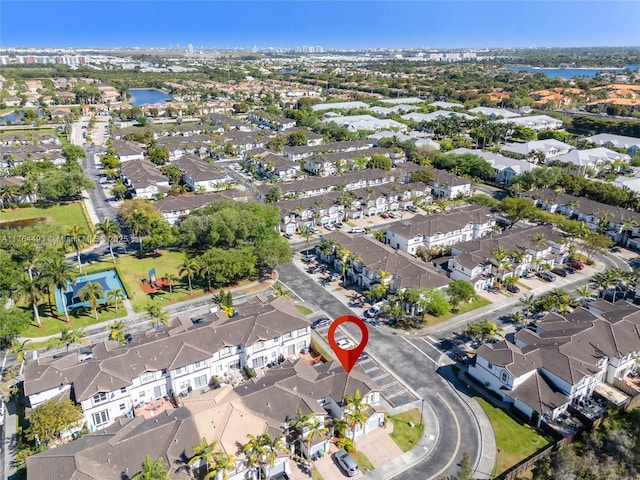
column 153, row 408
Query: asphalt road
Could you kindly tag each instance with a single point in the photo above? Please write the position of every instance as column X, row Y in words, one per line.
column 418, row 363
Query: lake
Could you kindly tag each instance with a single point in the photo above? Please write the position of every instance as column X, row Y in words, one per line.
column 570, row 72
column 143, row 96
column 16, row 118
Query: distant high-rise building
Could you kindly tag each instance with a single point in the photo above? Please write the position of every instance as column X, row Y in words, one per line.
column 191, row 49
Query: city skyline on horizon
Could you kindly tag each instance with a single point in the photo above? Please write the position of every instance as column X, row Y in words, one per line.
column 285, row 25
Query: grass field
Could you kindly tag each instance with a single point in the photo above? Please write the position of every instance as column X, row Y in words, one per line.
column 363, row 462
column 464, row 308
column 133, row 270
column 515, row 439
column 406, row 436
column 304, row 310
column 56, row 215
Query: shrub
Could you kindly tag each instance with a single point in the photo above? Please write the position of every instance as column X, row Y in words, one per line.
column 347, row 444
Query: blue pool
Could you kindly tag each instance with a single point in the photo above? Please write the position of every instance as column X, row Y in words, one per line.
column 108, row 280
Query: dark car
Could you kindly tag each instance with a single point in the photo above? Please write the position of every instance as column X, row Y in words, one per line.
column 363, row 356
column 570, row 270
column 560, row 271
column 513, row 288
column 321, row 322
column 338, row 225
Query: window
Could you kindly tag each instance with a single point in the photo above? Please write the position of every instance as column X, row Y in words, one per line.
column 287, row 336
column 122, row 406
column 504, row 377
column 259, row 346
column 201, row 381
column 490, row 365
column 100, row 418
column 181, row 371
column 99, row 398
column 225, row 351
column 123, row 390
column 200, row 364
column 302, row 332
column 148, row 377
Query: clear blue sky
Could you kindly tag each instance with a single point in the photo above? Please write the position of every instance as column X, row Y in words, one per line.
column 331, row 24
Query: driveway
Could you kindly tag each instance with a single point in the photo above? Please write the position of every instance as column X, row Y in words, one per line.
column 378, row 446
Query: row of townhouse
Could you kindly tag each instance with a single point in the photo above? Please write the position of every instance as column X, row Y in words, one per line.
column 201, row 176
column 169, row 130
column 630, row 144
column 228, row 122
column 300, row 152
column 173, row 208
column 505, row 168
column 535, row 122
column 272, row 166
column 8, row 139
column 335, row 206
column 440, row 230
column 593, row 214
column 226, row 417
column 178, row 146
column 528, row 251
column 14, row 156
column 122, row 378
column 558, row 364
column 356, row 123
column 270, row 121
column 325, row 164
column 372, row 257
column 143, row 179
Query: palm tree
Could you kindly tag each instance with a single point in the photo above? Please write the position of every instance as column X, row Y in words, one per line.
column 92, row 292
column 58, row 274
column 110, row 231
column 528, row 303
column 69, row 337
column 153, row 470
column 222, row 464
column 203, row 453
column 190, row 267
column 117, row 331
column 77, row 238
column 314, row 429
column 307, row 234
column 339, row 426
column 19, row 349
column 539, row 240
column 280, row 291
column 116, row 295
column 30, row 289
column 501, row 260
column 628, row 224
column 583, row 292
column 158, row 316
column 355, row 411
column 272, row 445
column 254, row 449
column 140, row 225
column 171, row 279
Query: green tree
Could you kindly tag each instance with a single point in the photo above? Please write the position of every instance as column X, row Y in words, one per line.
column 171, row 279
column 50, row 419
column 355, row 412
column 380, row 161
column 116, row 295
column 482, row 330
column 273, row 195
column 296, row 138
column 140, row 225
column 190, row 267
column 55, row 272
column 153, row 469
column 19, row 349
column 73, row 153
column 110, row 231
column 434, row 302
column 159, row 155
column 13, row 322
column 517, row 209
column 117, row 331
column 70, row 336
column 92, row 292
column 119, row 190
column 460, row 291
column 203, row 453
column 158, row 315
column 77, row 239
column 30, row 289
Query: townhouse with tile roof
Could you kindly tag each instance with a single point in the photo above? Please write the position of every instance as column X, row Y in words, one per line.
column 373, row 257
column 440, row 230
column 338, row 106
column 592, row 160
column 226, row 416
column 529, row 250
column 199, row 175
column 14, row 156
column 526, row 150
column 535, row 122
column 505, row 168
column 179, row 146
column 270, row 121
column 143, row 179
column 630, row 144
column 300, row 152
column 356, row 123
column 431, row 117
column 590, row 212
column 325, row 164
column 274, row 167
column 494, row 113
column 127, row 151
column 448, row 186
column 558, row 364
column 173, row 208
column 169, row 363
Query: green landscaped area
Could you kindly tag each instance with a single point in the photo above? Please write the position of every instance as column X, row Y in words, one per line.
column 464, row 308
column 406, row 436
column 363, row 462
column 304, row 310
column 319, row 350
column 61, row 214
column 515, row 439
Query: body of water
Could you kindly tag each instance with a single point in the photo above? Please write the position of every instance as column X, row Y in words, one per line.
column 148, row 96
column 570, row 72
column 16, row 118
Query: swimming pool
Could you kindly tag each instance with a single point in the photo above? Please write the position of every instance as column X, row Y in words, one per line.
column 108, row 280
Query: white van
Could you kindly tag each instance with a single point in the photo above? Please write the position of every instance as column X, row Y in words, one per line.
column 357, row 230
column 374, row 311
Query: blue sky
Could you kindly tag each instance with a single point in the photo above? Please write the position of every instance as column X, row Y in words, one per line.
column 331, row 24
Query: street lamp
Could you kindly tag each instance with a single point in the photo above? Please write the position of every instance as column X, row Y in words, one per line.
column 421, row 411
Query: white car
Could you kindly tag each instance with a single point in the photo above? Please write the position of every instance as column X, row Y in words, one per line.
column 345, row 343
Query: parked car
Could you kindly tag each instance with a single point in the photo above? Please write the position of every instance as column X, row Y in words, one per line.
column 339, row 225
column 560, row 271
column 393, row 215
column 347, row 463
column 321, row 322
column 330, row 227
column 345, row 343
column 570, row 270
column 335, row 276
column 547, row 276
column 357, row 230
column 288, row 236
column 413, row 208
column 374, row 311
column 384, row 215
column 309, row 258
column 577, row 264
column 363, row 356
column 513, row 288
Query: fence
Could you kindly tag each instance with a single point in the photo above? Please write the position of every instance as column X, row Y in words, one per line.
column 529, row 462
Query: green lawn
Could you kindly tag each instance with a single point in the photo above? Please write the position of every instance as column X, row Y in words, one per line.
column 304, row 310
column 315, row 474
column 406, row 436
column 61, row 214
column 515, row 439
column 464, row 308
column 363, row 462
column 133, row 270
column 319, row 350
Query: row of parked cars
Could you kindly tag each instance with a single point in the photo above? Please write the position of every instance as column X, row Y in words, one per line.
column 569, row 269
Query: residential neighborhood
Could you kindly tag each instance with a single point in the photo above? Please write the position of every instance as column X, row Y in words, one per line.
column 181, row 230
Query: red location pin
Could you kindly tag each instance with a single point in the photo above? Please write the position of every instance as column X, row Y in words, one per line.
column 348, row 358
